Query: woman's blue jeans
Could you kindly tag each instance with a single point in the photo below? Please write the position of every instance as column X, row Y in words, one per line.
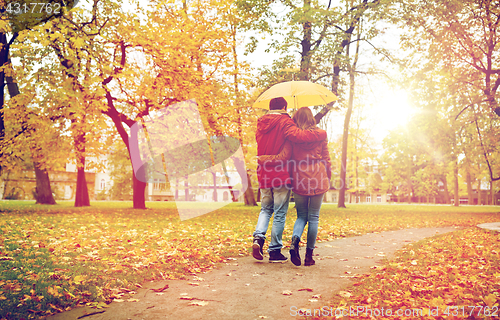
column 307, row 213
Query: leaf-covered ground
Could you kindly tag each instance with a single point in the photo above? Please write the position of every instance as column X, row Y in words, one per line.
column 451, row 276
column 57, row 257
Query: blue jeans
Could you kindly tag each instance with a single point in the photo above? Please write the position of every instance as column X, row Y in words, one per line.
column 307, row 212
column 273, row 200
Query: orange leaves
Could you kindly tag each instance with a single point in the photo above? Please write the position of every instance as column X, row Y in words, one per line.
column 490, row 300
column 442, row 272
column 54, row 291
column 79, row 279
column 11, row 285
column 100, row 254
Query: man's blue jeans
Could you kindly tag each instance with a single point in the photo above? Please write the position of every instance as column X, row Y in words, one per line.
column 307, row 212
column 273, row 200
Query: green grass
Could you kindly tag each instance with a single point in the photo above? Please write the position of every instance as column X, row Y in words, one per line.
column 57, row 257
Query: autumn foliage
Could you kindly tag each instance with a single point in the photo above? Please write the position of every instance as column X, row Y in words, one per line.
column 54, row 259
column 451, row 276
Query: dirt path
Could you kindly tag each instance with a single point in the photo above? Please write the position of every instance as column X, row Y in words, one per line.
column 245, row 288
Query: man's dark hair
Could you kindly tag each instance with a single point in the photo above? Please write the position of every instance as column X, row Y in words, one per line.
column 277, row 103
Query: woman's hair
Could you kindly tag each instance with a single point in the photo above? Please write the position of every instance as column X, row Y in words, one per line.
column 304, row 119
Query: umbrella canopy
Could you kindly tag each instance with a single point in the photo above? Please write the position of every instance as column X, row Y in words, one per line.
column 297, row 94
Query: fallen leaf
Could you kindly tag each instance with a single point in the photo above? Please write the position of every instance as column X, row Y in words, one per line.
column 161, row 289
column 306, row 289
column 490, row 300
column 198, row 303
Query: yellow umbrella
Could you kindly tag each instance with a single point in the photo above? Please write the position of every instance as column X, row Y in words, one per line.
column 297, row 94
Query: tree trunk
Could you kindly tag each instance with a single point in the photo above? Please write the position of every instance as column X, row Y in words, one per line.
column 249, row 196
column 43, row 190
column 348, row 32
column 305, row 55
column 139, row 191
column 345, row 138
column 492, row 194
column 408, row 177
column 455, row 180
column 470, row 197
column 446, row 193
column 4, row 54
column 82, row 193
column 138, row 187
column 479, row 200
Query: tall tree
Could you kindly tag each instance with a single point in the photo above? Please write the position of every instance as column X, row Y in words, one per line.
column 240, row 114
column 67, row 69
column 308, row 25
column 184, row 49
column 12, row 22
column 345, row 136
column 461, row 38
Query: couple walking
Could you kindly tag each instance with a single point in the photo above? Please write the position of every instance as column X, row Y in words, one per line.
column 293, row 155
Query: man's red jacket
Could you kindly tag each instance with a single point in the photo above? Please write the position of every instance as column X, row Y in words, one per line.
column 273, row 130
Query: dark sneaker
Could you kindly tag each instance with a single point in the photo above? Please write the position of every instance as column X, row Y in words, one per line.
column 257, row 248
column 277, row 257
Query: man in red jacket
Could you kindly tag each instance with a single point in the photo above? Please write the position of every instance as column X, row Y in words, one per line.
column 273, row 130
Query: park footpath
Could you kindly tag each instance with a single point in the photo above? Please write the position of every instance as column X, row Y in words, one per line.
column 244, row 288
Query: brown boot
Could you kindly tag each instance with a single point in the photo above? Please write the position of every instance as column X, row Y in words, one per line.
column 294, row 251
column 309, row 257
